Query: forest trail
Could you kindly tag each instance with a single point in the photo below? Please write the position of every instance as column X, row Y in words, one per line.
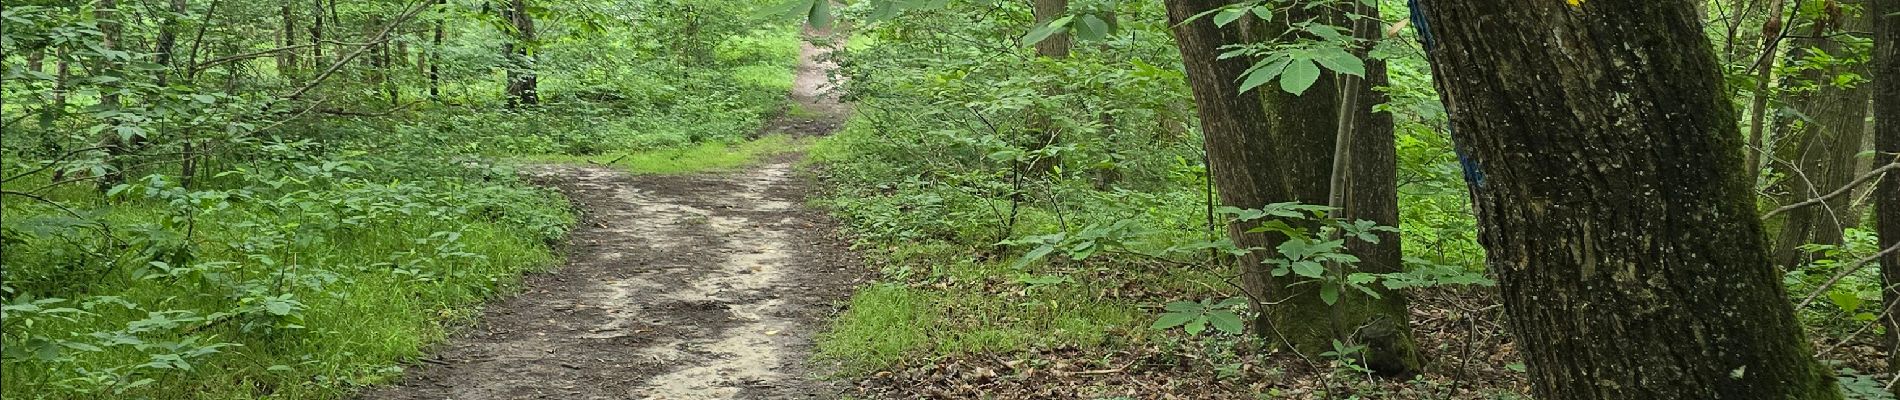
column 705, row 286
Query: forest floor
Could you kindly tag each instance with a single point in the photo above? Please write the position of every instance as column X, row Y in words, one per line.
column 697, row 286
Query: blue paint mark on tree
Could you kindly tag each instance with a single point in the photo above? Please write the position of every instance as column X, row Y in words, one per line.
column 1474, row 176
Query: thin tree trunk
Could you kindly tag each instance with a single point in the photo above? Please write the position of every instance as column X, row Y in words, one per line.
column 1266, row 146
column 435, row 60
column 106, row 12
column 287, row 63
column 1369, row 191
column 1770, row 41
column 316, row 34
column 36, row 60
column 1823, row 147
column 1042, row 132
column 1608, row 177
column 1886, row 74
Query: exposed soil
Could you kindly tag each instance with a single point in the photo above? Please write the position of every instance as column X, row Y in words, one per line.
column 676, row 287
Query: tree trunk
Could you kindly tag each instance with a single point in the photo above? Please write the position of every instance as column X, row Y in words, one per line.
column 435, row 61
column 1057, row 45
column 521, row 76
column 1371, row 193
column 1042, row 130
column 1823, row 147
column 316, row 34
column 1765, row 70
column 36, row 60
column 287, row 60
column 1266, row 146
column 106, row 12
column 1607, row 172
column 1886, row 73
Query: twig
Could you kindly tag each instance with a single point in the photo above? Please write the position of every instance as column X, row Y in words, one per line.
column 1849, row 270
column 50, row 164
column 380, row 37
column 1849, row 188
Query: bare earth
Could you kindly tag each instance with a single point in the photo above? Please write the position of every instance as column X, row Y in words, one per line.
column 676, row 287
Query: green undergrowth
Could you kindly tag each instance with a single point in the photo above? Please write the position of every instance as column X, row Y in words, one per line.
column 946, row 289
column 301, row 281
column 703, row 157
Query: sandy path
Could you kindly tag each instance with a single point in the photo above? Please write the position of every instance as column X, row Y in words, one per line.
column 683, row 287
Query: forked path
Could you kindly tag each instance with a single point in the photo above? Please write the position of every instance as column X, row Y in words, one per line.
column 691, row 287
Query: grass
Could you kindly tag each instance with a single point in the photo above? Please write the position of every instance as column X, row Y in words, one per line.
column 703, row 157
column 371, row 294
column 960, row 307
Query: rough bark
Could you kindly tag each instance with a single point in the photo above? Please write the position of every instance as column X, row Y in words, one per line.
column 1371, row 193
column 1771, row 32
column 1057, row 45
column 316, row 34
column 1821, row 148
column 435, row 62
column 106, row 12
column 1607, row 174
column 1886, row 73
column 287, row 63
column 1267, row 146
column 521, row 76
column 1042, row 131
column 36, row 60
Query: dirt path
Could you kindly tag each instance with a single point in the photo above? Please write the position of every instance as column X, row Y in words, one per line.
column 677, row 287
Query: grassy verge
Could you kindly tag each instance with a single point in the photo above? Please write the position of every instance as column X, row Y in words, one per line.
column 703, row 157
column 948, row 290
column 302, row 291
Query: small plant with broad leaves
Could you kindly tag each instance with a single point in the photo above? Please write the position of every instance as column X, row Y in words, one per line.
column 1195, row 317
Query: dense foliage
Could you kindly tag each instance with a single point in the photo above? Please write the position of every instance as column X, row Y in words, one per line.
column 199, row 203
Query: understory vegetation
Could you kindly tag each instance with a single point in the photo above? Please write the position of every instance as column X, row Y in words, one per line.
column 1090, row 199
column 1046, row 218
column 201, row 205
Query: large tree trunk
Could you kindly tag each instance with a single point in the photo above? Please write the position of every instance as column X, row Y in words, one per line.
column 1266, row 146
column 1607, row 173
column 521, row 76
column 1822, row 148
column 1886, row 73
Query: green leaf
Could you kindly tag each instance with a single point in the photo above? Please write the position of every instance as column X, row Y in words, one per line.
column 1184, row 307
column 1094, row 28
column 1228, row 16
column 1226, row 321
column 278, row 308
column 1309, row 269
column 1044, row 32
column 1171, row 320
column 1197, row 326
column 1329, row 293
column 1264, row 12
column 1299, row 76
column 1264, row 72
column 1033, row 256
column 1844, row 299
column 820, row 14
column 1340, row 61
